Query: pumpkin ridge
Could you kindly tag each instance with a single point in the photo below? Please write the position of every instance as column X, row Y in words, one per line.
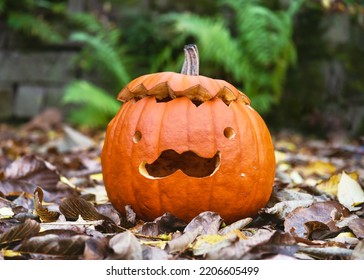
column 132, row 152
column 138, row 88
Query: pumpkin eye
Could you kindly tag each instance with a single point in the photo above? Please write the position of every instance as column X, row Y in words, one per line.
column 229, row 133
column 137, row 136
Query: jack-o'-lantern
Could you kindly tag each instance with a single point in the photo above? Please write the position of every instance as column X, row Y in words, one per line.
column 184, row 144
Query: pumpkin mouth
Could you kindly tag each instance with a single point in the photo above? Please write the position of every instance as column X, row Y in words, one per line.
column 188, row 162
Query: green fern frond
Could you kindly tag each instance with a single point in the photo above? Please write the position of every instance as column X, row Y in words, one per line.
column 105, row 54
column 95, row 106
column 254, row 47
column 87, row 22
column 2, row 6
column 34, row 26
column 213, row 39
column 263, row 101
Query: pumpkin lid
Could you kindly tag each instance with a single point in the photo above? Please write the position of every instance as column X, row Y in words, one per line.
column 188, row 83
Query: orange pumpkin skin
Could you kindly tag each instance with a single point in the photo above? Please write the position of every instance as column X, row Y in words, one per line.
column 142, row 129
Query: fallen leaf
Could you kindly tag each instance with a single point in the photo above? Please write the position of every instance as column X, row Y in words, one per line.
column 33, row 169
column 16, row 187
column 325, row 252
column 53, row 244
column 318, row 167
column 330, row 186
column 50, row 118
column 358, row 252
column 239, row 247
column 130, row 214
column 349, row 193
column 281, row 245
column 208, row 243
column 318, row 231
column 325, row 212
column 125, row 246
column 235, row 226
column 357, row 226
column 210, row 222
column 109, row 211
column 71, row 141
column 44, row 214
column 6, row 212
column 282, row 209
column 79, row 226
column 25, row 230
column 182, row 242
column 346, row 238
column 285, row 200
column 96, row 249
column 154, row 253
column 164, row 224
column 73, row 207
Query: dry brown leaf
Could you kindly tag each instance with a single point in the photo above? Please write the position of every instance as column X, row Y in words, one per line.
column 155, row 253
column 239, row 247
column 325, row 212
column 319, row 167
column 96, row 249
column 209, row 243
column 235, row 226
column 125, row 246
column 182, row 242
column 358, row 252
column 74, row 207
column 210, row 222
column 16, row 187
column 325, row 252
column 357, row 226
column 44, row 214
column 24, row 230
column 33, row 169
column 53, row 244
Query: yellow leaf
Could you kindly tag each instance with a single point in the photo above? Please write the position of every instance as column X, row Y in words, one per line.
column 320, row 168
column 330, row 186
column 211, row 239
column 280, row 156
column 349, row 192
column 96, row 177
column 10, row 253
column 155, row 243
column 6, row 212
column 211, row 242
column 286, row 145
column 64, row 180
column 346, row 234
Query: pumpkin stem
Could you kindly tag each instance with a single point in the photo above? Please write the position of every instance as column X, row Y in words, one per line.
column 191, row 63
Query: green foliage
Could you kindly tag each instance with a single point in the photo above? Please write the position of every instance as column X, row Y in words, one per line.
column 101, row 54
column 34, row 18
column 34, row 27
column 252, row 51
column 95, row 107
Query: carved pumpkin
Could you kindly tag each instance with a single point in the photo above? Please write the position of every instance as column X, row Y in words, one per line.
column 184, row 144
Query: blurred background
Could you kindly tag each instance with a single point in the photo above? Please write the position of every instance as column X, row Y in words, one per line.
column 300, row 61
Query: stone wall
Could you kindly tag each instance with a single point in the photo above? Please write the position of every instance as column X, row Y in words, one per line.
column 31, row 78
column 31, row 81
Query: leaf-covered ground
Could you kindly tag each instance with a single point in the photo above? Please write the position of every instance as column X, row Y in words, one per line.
column 53, row 204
